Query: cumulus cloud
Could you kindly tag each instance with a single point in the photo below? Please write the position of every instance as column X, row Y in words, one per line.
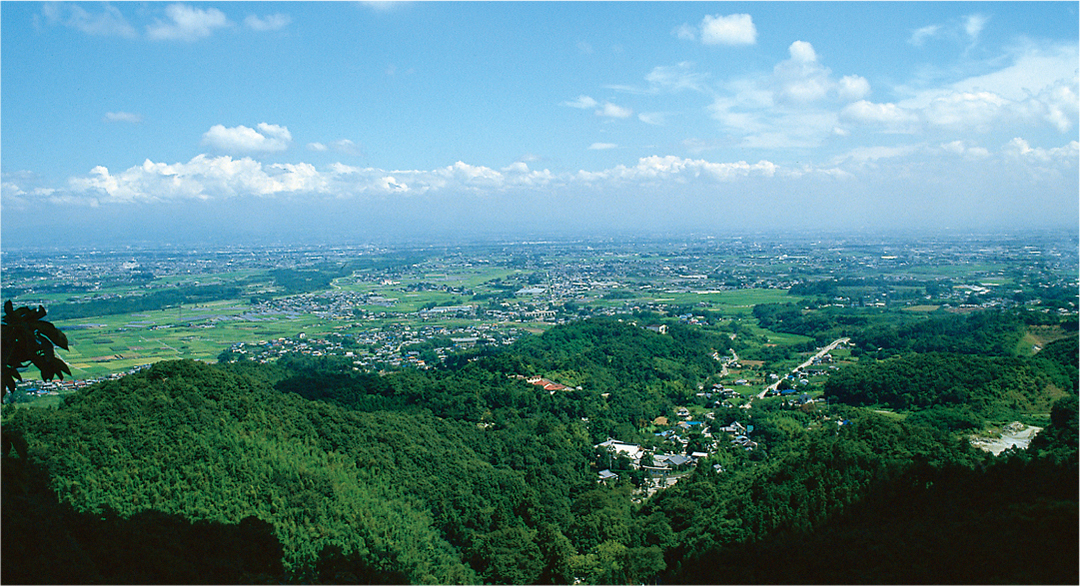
column 797, row 105
column 959, row 147
column 1031, row 70
column 609, row 110
column 802, row 78
column 1058, row 104
column 656, row 168
column 21, row 189
column 268, row 138
column 123, row 117
column 270, row 22
column 889, row 115
column 1039, row 86
column 733, row 29
column 802, row 52
column 974, row 110
column 803, row 104
column 1020, row 148
column 201, row 178
column 602, row 146
column 884, row 180
column 317, row 147
column 853, row 87
column 109, row 22
column 207, row 177
column 185, row 23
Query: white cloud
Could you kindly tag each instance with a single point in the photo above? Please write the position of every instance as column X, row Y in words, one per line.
column 919, row 36
column 973, row 25
column 802, row 52
column 346, row 146
column 519, row 174
column 392, row 185
column 676, row 78
column 798, row 105
column 202, row 178
column 1058, row 104
column 1033, row 69
column 801, row 78
column 343, row 145
column 963, row 31
column 890, row 115
column 887, row 182
column 1039, row 87
column 582, row 102
column 802, row 103
column 955, row 147
column 382, row 5
column 734, row 29
column 657, row 168
column 653, row 118
column 609, row 110
column 1020, row 148
column 959, row 147
column 685, row 32
column 697, row 145
column 207, row 177
column 471, row 175
column 186, row 23
column 853, row 87
column 876, row 153
column 602, row 146
column 268, row 138
column 973, row 110
column 271, row 22
column 123, row 117
column 109, row 22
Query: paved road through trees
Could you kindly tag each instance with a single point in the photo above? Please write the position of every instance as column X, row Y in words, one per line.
column 832, row 346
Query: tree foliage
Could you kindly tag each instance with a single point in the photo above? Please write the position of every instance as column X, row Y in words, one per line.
column 29, row 339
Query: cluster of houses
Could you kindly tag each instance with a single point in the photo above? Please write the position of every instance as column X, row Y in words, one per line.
column 818, row 366
column 36, row 388
column 380, row 347
column 547, row 385
column 663, row 465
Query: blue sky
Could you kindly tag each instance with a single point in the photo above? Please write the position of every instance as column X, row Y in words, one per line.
column 245, row 121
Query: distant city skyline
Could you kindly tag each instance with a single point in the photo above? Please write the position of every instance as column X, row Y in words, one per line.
column 323, row 121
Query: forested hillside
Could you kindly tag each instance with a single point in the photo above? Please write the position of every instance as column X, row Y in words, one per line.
column 470, row 474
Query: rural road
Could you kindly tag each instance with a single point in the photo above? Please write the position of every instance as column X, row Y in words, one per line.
column 809, row 361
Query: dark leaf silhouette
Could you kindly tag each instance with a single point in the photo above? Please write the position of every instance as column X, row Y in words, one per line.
column 29, row 339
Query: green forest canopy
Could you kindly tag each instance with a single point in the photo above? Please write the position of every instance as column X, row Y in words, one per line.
column 469, row 474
